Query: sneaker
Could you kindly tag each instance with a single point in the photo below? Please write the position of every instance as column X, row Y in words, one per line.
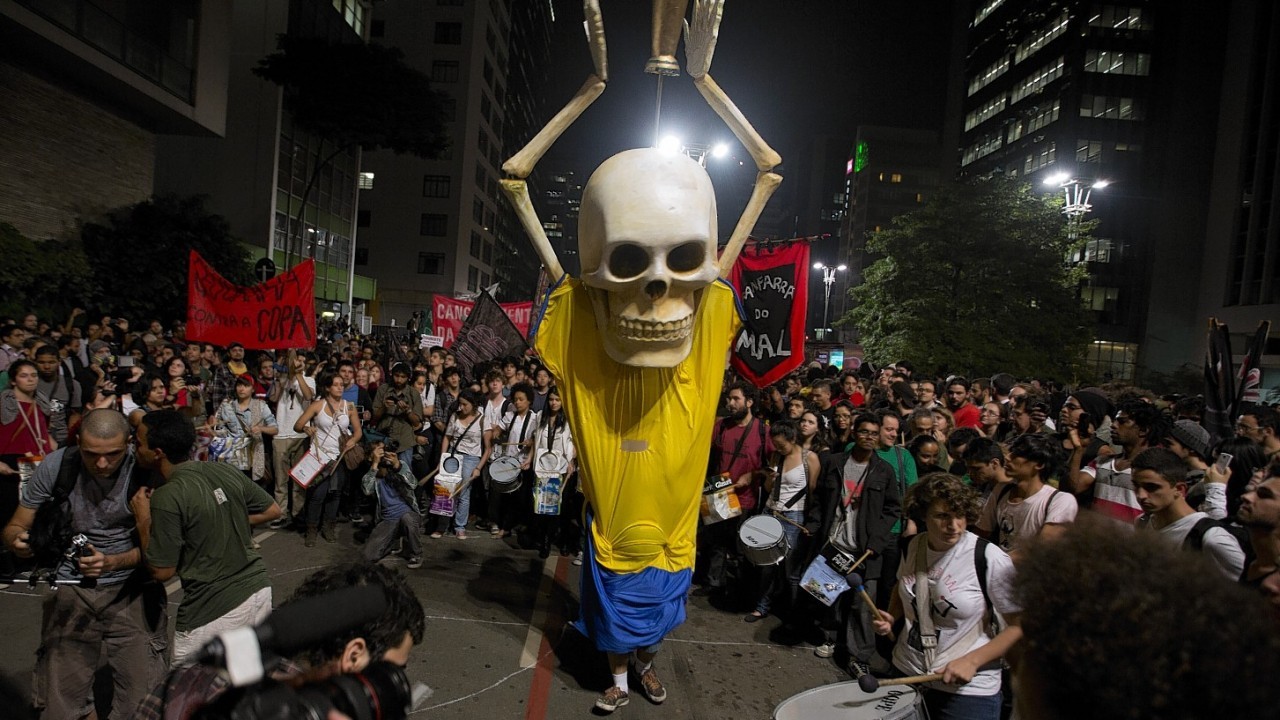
column 825, row 650
column 577, row 559
column 652, row 686
column 461, row 534
column 612, row 699
column 279, row 523
column 437, row 535
column 857, row 668
column 415, row 562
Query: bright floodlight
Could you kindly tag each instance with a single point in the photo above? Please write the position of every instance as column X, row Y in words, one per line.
column 842, row 268
column 720, row 150
column 818, row 266
column 670, row 144
column 1056, row 179
column 1099, row 184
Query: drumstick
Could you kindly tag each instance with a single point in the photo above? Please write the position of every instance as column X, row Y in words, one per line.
column 786, row 519
column 865, row 555
column 855, row 581
column 870, row 683
column 425, row 478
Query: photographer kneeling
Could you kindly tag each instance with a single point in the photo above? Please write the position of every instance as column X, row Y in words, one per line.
column 204, row 691
column 398, row 514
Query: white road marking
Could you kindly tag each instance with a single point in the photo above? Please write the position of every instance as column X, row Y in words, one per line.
column 533, row 640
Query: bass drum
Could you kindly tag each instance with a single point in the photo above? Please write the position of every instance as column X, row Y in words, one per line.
column 847, row 701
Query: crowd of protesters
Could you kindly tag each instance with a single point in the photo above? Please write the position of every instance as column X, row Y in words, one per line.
column 912, row 479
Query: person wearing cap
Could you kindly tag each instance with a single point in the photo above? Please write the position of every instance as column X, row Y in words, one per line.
column 1190, row 442
column 1088, row 413
column 398, row 412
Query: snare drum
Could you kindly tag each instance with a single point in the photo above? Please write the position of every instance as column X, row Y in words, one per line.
column 847, row 701
column 505, row 473
column 762, row 541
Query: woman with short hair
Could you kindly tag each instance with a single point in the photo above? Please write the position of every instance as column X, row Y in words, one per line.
column 965, row 589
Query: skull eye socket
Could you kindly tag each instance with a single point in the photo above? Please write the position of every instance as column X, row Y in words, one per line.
column 686, row 258
column 628, row 261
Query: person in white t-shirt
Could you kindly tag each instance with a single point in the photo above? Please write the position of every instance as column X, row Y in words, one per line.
column 947, row 556
column 1160, row 482
column 1026, row 507
column 291, row 395
column 498, row 412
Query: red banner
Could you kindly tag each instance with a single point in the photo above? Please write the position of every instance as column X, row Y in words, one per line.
column 279, row 313
column 448, row 315
column 773, row 285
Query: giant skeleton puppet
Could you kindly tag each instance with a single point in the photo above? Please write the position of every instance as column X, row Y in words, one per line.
column 638, row 343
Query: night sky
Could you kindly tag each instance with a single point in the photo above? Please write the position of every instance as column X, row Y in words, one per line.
column 795, row 69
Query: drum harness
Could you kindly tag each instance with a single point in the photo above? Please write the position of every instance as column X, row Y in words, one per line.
column 776, row 495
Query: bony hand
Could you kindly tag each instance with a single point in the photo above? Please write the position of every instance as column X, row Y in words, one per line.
column 94, row 564
column 21, row 545
column 959, row 671
column 883, row 624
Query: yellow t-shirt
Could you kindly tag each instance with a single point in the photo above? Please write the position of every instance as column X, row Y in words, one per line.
column 642, row 434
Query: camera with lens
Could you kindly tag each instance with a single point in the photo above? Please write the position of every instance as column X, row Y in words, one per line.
column 390, row 447
column 382, row 690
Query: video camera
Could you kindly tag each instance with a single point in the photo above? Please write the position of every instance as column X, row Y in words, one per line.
column 381, row 692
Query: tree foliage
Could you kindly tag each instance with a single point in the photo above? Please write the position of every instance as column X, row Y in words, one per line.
column 358, row 94
column 976, row 282
column 139, row 255
column 47, row 278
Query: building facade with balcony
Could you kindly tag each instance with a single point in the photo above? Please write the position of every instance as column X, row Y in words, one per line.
column 87, row 91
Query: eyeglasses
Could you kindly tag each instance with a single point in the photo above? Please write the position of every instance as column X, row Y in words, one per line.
column 868, row 433
column 843, row 416
column 1247, row 428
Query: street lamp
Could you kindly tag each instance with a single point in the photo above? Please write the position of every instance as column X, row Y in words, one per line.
column 1076, row 193
column 828, row 279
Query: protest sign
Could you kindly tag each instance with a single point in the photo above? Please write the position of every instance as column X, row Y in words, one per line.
column 279, row 313
column 488, row 334
column 773, row 285
column 448, row 315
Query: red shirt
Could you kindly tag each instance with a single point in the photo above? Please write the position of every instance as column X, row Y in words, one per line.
column 748, row 459
column 28, row 434
column 968, row 415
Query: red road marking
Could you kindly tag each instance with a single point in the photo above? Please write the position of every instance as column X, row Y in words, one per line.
column 540, row 689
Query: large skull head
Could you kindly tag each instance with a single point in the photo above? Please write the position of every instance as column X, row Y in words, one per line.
column 647, row 241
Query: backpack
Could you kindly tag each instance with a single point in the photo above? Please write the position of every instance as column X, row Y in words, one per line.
column 1195, row 538
column 1008, row 488
column 991, row 623
column 51, row 530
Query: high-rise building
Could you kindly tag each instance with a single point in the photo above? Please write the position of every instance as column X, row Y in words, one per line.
column 561, row 202
column 889, row 172
column 86, row 90
column 262, row 176
column 1124, row 93
column 443, row 226
column 1239, row 260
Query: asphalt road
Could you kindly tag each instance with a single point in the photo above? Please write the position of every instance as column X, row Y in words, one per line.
column 498, row 644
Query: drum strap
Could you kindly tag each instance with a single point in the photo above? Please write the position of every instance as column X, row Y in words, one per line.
column 924, row 611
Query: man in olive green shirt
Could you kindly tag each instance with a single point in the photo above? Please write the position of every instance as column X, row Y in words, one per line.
column 197, row 526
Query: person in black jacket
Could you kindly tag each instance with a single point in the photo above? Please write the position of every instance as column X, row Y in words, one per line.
column 858, row 502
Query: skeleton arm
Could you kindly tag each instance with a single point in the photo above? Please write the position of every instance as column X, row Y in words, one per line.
column 699, row 46
column 523, row 162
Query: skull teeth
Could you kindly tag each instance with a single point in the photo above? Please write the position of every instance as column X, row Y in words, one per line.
column 636, row 329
